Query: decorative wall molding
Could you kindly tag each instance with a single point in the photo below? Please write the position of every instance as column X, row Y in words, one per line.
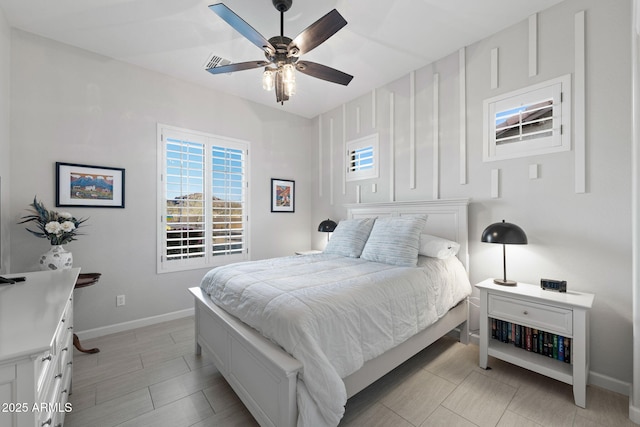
column 495, row 183
column 579, row 109
column 534, row 171
column 344, row 149
column 320, row 159
column 462, row 79
column 357, row 120
column 436, row 136
column 331, row 162
column 392, row 148
column 412, row 130
column 374, row 109
column 494, row 68
column 533, row 45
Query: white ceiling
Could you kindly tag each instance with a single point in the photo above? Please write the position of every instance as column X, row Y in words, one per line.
column 381, row 42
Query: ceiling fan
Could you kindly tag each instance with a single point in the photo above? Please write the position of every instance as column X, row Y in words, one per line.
column 282, row 53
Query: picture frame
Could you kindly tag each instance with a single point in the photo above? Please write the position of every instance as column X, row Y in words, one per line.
column 89, row 186
column 283, row 195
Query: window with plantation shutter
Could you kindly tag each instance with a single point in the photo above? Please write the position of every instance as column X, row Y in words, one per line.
column 362, row 161
column 202, row 197
column 528, row 121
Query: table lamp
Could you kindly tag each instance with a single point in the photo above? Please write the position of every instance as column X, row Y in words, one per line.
column 506, row 234
column 327, row 226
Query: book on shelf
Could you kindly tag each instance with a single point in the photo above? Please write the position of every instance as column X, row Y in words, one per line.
column 532, row 339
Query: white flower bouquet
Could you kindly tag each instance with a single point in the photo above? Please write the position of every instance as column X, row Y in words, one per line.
column 59, row 227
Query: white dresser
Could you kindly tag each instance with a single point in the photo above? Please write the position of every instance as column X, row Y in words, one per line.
column 36, row 348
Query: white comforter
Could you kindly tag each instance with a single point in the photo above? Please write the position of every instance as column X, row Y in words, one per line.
column 334, row 313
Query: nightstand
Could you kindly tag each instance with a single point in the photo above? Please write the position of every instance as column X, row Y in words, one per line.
column 531, row 327
column 310, row 252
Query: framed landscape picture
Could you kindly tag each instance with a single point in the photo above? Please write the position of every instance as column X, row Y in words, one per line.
column 89, row 186
column 282, row 195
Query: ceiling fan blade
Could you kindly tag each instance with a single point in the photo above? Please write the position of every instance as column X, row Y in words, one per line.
column 241, row 26
column 323, row 72
column 281, row 96
column 318, row 32
column 240, row 66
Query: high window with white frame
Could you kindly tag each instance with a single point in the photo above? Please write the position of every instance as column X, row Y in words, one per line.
column 362, row 158
column 202, row 199
column 529, row 121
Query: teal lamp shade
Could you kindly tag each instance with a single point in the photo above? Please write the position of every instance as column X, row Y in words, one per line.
column 504, row 233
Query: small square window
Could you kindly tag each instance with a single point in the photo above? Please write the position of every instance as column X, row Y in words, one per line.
column 362, row 158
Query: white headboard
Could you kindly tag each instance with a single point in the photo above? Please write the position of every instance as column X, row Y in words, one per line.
column 446, row 218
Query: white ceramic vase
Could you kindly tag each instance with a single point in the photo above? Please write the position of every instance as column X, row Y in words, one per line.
column 56, row 258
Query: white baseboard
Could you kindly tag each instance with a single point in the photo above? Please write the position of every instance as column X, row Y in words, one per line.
column 634, row 412
column 599, row 380
column 125, row 326
column 609, row 383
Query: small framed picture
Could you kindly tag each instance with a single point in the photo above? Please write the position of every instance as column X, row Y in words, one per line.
column 283, row 193
column 89, row 186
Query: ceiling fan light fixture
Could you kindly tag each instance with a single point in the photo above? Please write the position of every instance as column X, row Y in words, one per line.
column 268, row 79
column 288, row 73
column 282, row 52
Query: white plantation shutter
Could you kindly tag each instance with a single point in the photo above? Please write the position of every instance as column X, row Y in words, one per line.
column 362, row 158
column 184, row 210
column 228, row 184
column 202, row 200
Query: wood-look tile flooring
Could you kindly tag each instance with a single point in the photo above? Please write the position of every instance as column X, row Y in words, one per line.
column 151, row 377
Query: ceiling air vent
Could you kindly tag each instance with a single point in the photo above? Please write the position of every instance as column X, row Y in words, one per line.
column 215, row 61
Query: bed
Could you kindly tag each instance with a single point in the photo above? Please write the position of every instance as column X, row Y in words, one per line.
column 266, row 377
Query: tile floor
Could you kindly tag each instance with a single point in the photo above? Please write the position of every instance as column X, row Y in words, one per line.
column 151, row 377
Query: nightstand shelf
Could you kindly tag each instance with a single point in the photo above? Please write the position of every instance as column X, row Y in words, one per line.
column 564, row 314
column 547, row 366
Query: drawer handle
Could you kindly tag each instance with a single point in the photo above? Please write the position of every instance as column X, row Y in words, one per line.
column 70, row 363
column 525, row 312
column 70, row 328
column 48, row 422
column 46, row 358
column 65, row 349
column 63, row 391
column 63, row 320
column 58, row 376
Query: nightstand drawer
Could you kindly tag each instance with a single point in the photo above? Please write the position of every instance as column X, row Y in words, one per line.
column 546, row 317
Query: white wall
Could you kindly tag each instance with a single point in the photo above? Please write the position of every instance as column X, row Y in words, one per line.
column 582, row 238
column 74, row 106
column 5, row 49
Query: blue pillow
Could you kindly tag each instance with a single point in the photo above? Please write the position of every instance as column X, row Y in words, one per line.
column 349, row 237
column 395, row 240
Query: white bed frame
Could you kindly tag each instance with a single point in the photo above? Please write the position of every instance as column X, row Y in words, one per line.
column 264, row 376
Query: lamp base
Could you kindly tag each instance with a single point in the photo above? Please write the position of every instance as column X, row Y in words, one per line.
column 505, row 282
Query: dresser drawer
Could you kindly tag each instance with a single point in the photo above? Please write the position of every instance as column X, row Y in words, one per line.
column 64, row 327
column 549, row 318
column 44, row 366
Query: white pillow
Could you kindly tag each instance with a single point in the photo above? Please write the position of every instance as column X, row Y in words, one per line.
column 394, row 240
column 437, row 247
column 349, row 237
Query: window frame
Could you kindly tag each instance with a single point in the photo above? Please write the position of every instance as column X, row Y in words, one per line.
column 557, row 90
column 359, row 144
column 208, row 260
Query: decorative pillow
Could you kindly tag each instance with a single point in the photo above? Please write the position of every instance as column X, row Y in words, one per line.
column 349, row 237
column 437, row 247
column 395, row 240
